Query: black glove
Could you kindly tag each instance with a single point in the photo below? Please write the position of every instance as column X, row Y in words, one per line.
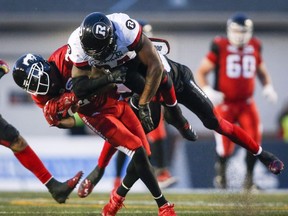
column 145, row 118
column 118, row 75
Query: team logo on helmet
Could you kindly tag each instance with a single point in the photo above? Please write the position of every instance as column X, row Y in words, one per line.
column 100, row 30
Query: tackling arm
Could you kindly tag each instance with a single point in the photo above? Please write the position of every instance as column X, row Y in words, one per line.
column 83, row 86
column 149, row 57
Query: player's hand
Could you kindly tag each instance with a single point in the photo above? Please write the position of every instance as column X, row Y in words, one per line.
column 66, row 102
column 50, row 112
column 4, row 68
column 270, row 94
column 145, row 117
column 216, row 97
column 118, row 75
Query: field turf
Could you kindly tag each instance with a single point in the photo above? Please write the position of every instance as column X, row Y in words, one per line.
column 194, row 203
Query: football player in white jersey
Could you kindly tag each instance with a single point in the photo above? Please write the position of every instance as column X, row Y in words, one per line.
column 108, row 42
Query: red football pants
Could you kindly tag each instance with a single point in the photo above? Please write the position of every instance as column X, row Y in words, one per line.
column 119, row 126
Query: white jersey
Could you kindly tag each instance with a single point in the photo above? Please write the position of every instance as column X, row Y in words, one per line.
column 128, row 34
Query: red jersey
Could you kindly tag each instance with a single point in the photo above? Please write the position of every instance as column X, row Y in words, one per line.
column 235, row 68
column 61, row 74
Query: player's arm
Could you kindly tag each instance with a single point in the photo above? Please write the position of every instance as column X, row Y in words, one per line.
column 149, row 57
column 205, row 67
column 268, row 90
column 83, row 86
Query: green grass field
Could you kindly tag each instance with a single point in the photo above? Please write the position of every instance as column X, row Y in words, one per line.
column 194, row 203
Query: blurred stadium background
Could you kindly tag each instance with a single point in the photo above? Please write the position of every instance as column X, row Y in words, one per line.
column 189, row 25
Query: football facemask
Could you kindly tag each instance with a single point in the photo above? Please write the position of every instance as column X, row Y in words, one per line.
column 37, row 82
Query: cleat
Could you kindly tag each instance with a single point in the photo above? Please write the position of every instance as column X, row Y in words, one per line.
column 85, row 188
column 165, row 179
column 61, row 191
column 88, row 184
column 188, row 132
column 167, row 210
column 173, row 116
column 114, row 205
column 273, row 164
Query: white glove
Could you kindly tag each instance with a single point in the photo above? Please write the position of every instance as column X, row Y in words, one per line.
column 270, row 94
column 216, row 97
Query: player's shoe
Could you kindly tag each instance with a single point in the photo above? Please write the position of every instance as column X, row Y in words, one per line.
column 188, row 132
column 165, row 179
column 85, row 188
column 173, row 115
column 167, row 210
column 61, row 191
column 273, row 164
column 114, row 205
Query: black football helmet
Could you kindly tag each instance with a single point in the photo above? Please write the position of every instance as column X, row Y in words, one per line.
column 31, row 72
column 239, row 29
column 97, row 36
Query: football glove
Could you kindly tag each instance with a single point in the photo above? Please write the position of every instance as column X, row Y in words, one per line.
column 270, row 94
column 59, row 107
column 65, row 103
column 216, row 97
column 4, row 68
column 118, row 75
column 50, row 112
column 145, row 117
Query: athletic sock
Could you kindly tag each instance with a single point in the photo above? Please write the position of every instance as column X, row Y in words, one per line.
column 31, row 161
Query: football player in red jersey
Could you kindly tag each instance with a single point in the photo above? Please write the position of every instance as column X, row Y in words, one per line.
column 11, row 138
column 236, row 61
column 102, row 111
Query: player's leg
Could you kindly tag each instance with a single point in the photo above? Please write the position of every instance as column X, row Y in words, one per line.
column 249, row 120
column 224, row 146
column 10, row 137
column 224, row 150
column 131, row 139
column 173, row 113
column 120, row 162
column 157, row 139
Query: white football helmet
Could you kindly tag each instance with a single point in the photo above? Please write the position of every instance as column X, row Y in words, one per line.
column 239, row 30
